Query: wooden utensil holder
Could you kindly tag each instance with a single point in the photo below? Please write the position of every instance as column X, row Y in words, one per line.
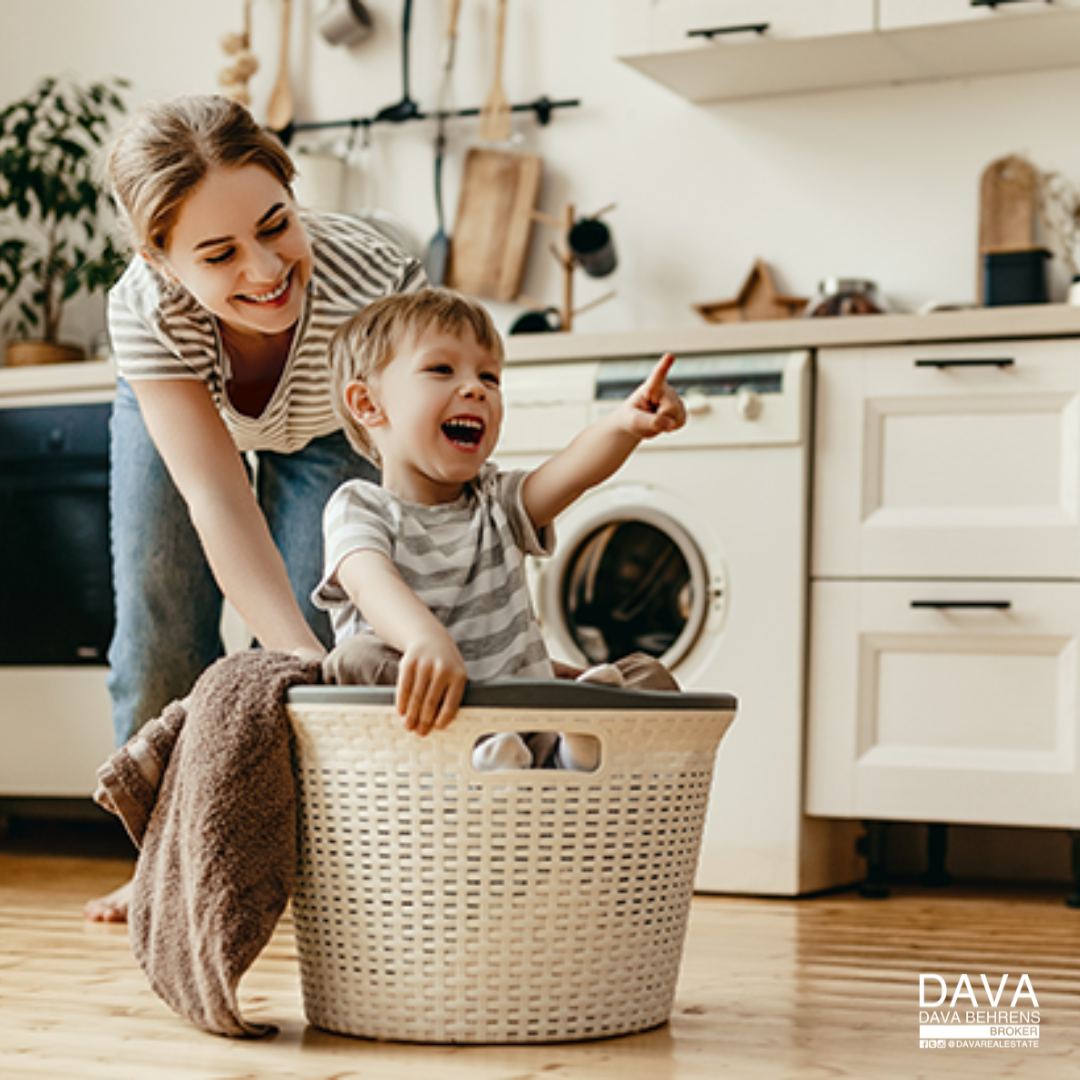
column 569, row 263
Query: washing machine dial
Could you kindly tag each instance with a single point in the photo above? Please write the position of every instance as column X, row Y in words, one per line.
column 748, row 403
column 697, row 402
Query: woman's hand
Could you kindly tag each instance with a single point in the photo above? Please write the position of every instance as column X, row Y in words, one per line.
column 654, row 407
column 431, row 682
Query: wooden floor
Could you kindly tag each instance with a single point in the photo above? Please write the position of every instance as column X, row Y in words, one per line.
column 825, row 987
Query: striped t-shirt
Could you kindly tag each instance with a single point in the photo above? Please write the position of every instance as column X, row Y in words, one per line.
column 464, row 560
column 161, row 332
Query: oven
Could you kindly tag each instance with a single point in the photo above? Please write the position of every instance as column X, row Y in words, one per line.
column 56, row 603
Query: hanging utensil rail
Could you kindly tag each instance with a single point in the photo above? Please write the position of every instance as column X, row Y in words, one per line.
column 542, row 107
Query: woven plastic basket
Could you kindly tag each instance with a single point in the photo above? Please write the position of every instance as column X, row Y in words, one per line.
column 439, row 904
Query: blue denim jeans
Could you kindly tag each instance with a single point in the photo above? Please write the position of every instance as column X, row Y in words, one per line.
column 168, row 605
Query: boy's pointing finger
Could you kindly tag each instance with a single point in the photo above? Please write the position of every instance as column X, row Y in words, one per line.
column 654, row 384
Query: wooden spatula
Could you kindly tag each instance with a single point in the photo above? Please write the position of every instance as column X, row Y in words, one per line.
column 495, row 112
column 279, row 109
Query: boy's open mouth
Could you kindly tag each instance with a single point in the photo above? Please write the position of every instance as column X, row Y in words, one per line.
column 464, row 431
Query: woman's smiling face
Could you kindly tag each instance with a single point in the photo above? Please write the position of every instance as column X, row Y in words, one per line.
column 238, row 247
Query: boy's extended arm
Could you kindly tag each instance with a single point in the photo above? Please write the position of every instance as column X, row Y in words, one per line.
column 594, row 455
column 432, row 677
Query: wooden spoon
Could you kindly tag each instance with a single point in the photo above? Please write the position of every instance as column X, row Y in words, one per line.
column 495, row 112
column 279, row 110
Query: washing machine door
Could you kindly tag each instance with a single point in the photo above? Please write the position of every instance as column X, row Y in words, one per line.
column 628, row 577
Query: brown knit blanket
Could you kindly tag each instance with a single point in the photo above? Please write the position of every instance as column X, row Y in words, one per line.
column 206, row 791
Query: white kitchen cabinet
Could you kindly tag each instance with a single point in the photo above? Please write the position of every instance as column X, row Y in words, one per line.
column 708, row 50
column 948, row 461
column 715, row 50
column 952, row 38
column 55, row 730
column 944, row 675
column 908, row 14
column 948, row 713
column 687, row 24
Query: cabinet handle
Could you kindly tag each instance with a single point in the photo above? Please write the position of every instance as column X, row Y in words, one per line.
column 718, row 31
column 993, row 605
column 994, row 3
column 998, row 362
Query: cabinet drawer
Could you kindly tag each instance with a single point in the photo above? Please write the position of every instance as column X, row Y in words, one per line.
column 684, row 24
column 715, row 50
column 958, row 37
column 900, row 14
column 945, row 713
column 958, row 461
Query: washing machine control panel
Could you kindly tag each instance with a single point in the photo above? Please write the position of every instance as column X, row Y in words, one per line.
column 697, row 376
column 732, row 399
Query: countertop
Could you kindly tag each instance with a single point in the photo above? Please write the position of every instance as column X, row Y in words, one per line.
column 1031, row 321
column 91, row 379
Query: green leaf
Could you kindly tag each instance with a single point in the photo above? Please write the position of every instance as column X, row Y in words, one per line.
column 54, row 217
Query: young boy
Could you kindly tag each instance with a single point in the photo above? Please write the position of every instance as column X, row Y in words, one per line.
column 425, row 576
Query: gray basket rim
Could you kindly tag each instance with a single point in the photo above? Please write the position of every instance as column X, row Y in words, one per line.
column 532, row 694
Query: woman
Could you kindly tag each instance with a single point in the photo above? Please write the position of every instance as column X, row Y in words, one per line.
column 225, row 448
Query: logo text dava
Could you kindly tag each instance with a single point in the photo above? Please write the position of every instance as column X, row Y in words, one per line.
column 930, row 984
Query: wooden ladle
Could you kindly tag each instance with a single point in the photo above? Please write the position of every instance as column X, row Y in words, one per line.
column 495, row 112
column 279, row 110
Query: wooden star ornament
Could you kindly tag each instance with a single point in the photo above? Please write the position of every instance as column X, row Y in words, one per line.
column 758, row 300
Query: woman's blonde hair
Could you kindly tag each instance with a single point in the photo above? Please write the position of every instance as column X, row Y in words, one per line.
column 165, row 150
column 367, row 342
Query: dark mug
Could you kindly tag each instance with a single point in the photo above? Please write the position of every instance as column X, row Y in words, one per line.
column 537, row 322
column 591, row 243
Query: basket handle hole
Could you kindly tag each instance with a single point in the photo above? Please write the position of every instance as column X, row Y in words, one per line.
column 512, row 751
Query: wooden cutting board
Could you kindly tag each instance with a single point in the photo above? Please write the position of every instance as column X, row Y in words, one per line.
column 490, row 240
column 1007, row 205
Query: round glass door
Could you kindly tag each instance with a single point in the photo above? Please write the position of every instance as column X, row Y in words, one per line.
column 634, row 586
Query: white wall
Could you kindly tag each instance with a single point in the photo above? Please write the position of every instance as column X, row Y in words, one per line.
column 881, row 183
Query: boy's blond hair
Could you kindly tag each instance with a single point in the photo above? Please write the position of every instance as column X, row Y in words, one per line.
column 367, row 342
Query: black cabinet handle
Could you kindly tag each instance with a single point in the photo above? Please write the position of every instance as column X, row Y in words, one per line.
column 992, row 605
column 719, row 31
column 998, row 362
column 995, row 3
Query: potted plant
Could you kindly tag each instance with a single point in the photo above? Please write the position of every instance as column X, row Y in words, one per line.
column 1059, row 209
column 53, row 239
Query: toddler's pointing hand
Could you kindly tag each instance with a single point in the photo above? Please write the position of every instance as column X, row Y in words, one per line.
column 655, row 407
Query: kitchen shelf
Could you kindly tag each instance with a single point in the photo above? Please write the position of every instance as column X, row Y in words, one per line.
column 896, row 45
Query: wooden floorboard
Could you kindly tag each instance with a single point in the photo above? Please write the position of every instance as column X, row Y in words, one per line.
column 816, row 988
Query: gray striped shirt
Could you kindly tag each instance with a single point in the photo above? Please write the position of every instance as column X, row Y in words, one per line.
column 164, row 333
column 464, row 560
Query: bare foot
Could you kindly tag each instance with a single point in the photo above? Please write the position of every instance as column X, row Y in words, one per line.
column 112, row 908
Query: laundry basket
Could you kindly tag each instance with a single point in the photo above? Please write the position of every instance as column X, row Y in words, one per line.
column 436, row 903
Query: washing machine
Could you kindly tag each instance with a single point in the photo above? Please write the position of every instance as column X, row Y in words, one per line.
column 695, row 552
